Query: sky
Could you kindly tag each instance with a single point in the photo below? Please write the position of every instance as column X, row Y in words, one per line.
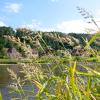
column 49, row 15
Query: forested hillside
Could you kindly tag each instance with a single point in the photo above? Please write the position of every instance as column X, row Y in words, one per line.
column 24, row 42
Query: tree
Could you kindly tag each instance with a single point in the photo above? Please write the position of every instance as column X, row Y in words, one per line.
column 22, row 32
column 6, row 31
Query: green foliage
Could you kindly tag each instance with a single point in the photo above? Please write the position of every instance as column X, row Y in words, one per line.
column 24, row 39
column 0, row 96
column 59, row 79
column 2, row 43
column 6, row 31
column 23, row 34
column 80, row 37
column 57, row 75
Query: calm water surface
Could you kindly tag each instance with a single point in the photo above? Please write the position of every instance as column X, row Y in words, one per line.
column 6, row 82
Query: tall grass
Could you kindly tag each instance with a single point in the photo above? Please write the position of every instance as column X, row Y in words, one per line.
column 62, row 78
column 0, row 96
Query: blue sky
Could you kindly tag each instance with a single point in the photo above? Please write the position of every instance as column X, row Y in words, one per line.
column 47, row 15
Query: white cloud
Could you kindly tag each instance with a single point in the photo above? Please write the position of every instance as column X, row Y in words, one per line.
column 78, row 26
column 97, row 13
column 2, row 23
column 13, row 7
column 34, row 25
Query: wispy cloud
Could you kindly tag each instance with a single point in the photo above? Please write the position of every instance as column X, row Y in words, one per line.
column 2, row 23
column 34, row 25
column 78, row 26
column 37, row 26
column 97, row 13
column 13, row 7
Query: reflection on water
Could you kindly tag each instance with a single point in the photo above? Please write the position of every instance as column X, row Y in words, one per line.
column 4, row 74
column 5, row 82
column 28, row 93
column 29, row 89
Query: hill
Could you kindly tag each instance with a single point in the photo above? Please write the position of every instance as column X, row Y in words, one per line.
column 24, row 42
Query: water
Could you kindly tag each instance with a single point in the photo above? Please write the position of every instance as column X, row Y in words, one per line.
column 29, row 92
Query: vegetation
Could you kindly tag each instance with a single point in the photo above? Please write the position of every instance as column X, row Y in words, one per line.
column 25, row 40
column 67, row 67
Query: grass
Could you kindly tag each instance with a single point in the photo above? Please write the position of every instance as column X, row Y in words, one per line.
column 1, row 97
column 15, row 61
column 60, row 78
